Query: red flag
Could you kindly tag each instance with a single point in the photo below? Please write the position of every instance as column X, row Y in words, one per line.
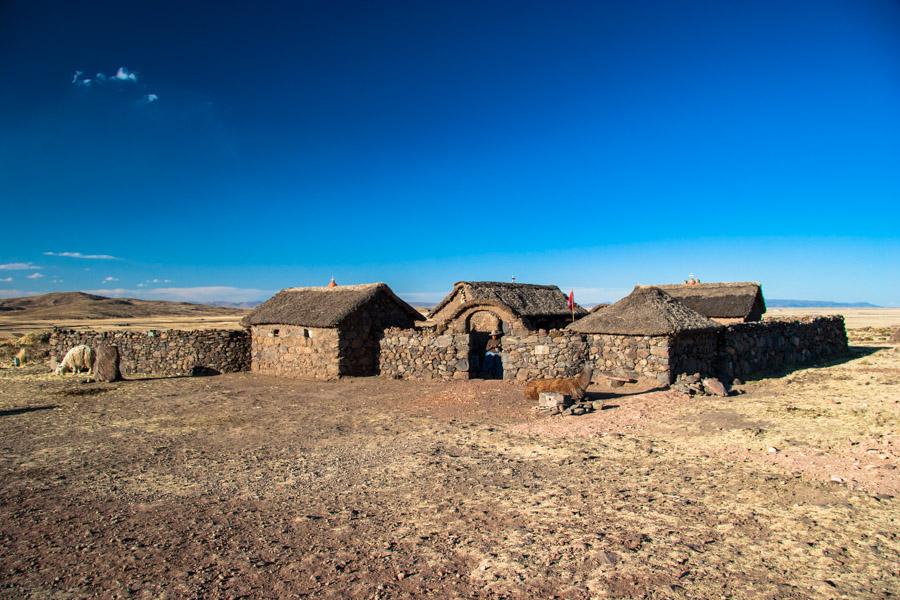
column 571, row 300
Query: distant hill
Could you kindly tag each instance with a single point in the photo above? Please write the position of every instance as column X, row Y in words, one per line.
column 779, row 303
column 78, row 305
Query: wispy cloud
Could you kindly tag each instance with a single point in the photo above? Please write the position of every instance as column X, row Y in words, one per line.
column 149, row 98
column 35, row 276
column 19, row 266
column 6, row 280
column 80, row 255
column 123, row 74
column 109, row 279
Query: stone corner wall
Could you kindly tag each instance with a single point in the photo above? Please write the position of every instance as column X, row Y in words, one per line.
column 423, row 354
column 164, row 352
column 641, row 357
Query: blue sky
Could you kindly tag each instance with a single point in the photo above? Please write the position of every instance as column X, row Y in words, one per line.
column 224, row 154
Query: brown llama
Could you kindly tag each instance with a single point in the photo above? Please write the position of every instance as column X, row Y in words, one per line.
column 573, row 387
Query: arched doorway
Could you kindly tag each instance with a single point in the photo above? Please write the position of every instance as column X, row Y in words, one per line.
column 479, row 325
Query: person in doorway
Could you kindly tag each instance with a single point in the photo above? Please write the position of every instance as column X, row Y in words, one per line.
column 492, row 361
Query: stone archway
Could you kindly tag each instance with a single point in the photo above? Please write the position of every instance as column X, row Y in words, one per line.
column 479, row 325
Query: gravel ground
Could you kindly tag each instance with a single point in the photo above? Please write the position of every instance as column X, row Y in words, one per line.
column 250, row 486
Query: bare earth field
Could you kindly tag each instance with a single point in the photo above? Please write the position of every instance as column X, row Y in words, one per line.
column 250, row 486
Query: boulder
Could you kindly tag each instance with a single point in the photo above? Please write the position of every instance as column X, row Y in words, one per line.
column 106, row 363
column 713, row 386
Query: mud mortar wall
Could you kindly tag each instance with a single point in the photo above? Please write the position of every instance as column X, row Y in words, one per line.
column 168, row 352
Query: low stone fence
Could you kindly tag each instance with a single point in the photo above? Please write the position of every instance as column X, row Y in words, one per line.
column 554, row 353
column 746, row 349
column 739, row 350
column 166, row 352
column 423, row 354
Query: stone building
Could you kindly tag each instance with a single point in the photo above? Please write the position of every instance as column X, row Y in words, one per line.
column 648, row 336
column 477, row 308
column 726, row 302
column 325, row 332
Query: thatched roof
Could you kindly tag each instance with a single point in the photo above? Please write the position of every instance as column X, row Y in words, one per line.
column 645, row 311
column 322, row 306
column 732, row 300
column 525, row 300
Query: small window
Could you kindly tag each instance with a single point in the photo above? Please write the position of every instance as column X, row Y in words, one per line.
column 275, row 332
column 306, row 333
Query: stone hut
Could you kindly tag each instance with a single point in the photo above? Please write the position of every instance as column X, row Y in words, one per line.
column 477, row 308
column 649, row 336
column 508, row 307
column 726, row 302
column 325, row 332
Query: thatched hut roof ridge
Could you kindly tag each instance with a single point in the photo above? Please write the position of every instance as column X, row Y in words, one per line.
column 646, row 311
column 523, row 299
column 321, row 306
column 733, row 299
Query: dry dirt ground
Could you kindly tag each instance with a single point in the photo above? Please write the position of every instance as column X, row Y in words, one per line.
column 250, row 486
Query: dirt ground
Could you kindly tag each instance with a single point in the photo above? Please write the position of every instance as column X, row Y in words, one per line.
column 249, row 486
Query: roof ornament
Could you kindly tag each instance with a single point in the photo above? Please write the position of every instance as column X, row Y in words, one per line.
column 332, row 283
column 513, row 278
column 692, row 280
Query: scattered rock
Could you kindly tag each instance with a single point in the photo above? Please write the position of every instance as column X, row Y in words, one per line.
column 772, row 450
column 838, row 479
column 737, row 382
column 713, row 386
column 694, row 385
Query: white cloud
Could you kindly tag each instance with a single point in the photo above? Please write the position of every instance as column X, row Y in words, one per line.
column 80, row 255
column 109, row 278
column 76, row 76
column 20, row 266
column 7, row 280
column 142, row 285
column 124, row 74
column 149, row 98
column 35, row 276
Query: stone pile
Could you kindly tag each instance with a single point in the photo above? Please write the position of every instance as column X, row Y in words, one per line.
column 695, row 385
column 553, row 403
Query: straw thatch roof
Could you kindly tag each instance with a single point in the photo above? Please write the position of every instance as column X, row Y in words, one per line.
column 324, row 306
column 645, row 311
column 732, row 300
column 524, row 300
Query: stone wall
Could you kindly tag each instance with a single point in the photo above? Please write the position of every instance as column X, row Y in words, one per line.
column 294, row 351
column 543, row 354
column 424, row 354
column 747, row 349
column 694, row 352
column 641, row 357
column 165, row 352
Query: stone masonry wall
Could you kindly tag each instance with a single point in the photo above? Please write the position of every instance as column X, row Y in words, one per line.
column 544, row 354
column 304, row 352
column 424, row 354
column 165, row 352
column 641, row 357
column 694, row 352
column 747, row 349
